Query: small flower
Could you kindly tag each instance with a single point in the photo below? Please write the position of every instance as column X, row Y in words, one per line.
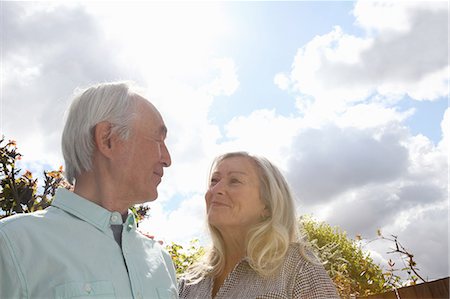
column 28, row 175
column 53, row 174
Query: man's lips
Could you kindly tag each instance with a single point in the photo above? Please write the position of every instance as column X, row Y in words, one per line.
column 159, row 175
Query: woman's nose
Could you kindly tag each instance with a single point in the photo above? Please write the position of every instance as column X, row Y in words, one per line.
column 218, row 188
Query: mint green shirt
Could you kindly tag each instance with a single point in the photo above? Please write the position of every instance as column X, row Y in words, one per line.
column 68, row 251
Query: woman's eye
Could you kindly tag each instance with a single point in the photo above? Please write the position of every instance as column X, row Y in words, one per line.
column 234, row 181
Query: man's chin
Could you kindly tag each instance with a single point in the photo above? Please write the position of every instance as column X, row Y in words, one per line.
column 147, row 198
column 152, row 196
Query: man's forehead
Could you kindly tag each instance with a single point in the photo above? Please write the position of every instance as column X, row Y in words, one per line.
column 150, row 118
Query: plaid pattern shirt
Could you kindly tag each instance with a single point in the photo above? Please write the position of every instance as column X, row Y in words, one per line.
column 297, row 278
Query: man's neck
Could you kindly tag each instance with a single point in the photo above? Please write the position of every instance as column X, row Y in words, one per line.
column 100, row 192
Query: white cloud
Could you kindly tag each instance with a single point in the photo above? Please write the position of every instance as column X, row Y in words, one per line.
column 226, row 82
column 405, row 55
column 312, row 74
column 383, row 178
column 329, row 161
column 370, row 115
column 263, row 132
column 40, row 71
column 180, row 225
column 423, row 231
column 282, row 81
column 391, row 15
column 394, row 15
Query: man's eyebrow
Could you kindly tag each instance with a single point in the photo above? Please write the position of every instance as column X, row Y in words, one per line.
column 163, row 130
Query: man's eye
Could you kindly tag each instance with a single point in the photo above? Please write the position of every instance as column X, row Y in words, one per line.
column 214, row 181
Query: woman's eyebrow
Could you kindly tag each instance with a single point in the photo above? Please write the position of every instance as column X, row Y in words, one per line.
column 230, row 172
column 238, row 172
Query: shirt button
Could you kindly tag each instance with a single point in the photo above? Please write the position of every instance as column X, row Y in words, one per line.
column 139, row 296
column 114, row 218
column 88, row 288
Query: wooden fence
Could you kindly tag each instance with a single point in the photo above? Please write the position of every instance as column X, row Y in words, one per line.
column 437, row 289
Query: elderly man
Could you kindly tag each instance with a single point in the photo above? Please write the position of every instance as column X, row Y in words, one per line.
column 86, row 244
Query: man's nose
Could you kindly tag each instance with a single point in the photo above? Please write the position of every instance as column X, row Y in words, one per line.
column 165, row 156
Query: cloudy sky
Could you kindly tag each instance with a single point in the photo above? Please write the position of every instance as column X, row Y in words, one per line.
column 349, row 99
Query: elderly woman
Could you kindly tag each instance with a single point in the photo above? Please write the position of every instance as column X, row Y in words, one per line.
column 256, row 250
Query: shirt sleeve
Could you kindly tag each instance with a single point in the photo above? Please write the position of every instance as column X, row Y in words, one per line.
column 170, row 267
column 313, row 282
column 12, row 281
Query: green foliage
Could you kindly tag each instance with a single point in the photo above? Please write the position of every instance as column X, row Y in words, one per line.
column 19, row 192
column 140, row 212
column 352, row 269
column 184, row 257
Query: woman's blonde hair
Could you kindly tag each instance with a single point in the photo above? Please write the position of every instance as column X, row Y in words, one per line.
column 268, row 240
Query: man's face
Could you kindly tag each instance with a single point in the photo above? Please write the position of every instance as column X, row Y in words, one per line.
column 143, row 156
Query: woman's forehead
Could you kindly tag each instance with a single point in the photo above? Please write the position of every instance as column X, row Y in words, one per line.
column 239, row 164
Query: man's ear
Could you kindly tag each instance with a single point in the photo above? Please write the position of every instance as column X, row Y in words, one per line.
column 102, row 138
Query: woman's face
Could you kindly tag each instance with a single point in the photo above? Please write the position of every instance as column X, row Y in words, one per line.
column 232, row 199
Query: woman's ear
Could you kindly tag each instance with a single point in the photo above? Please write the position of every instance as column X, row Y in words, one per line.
column 266, row 213
column 102, row 138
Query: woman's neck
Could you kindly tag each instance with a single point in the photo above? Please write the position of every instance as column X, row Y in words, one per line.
column 235, row 251
column 235, row 246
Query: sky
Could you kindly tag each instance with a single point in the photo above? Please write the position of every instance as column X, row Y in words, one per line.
column 349, row 99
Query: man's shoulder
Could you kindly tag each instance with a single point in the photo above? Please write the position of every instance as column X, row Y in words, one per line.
column 24, row 221
column 148, row 240
column 151, row 243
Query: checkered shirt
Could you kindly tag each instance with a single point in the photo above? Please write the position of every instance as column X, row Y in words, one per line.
column 297, row 278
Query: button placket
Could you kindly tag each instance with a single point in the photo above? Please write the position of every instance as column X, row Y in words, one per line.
column 115, row 218
column 88, row 288
column 130, row 223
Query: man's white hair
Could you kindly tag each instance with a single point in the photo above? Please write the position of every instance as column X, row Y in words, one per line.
column 113, row 102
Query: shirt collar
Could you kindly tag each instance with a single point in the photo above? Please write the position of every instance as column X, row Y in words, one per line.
column 90, row 212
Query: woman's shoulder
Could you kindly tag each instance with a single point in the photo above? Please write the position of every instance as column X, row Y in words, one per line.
column 308, row 273
column 300, row 251
column 198, row 289
column 299, row 255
